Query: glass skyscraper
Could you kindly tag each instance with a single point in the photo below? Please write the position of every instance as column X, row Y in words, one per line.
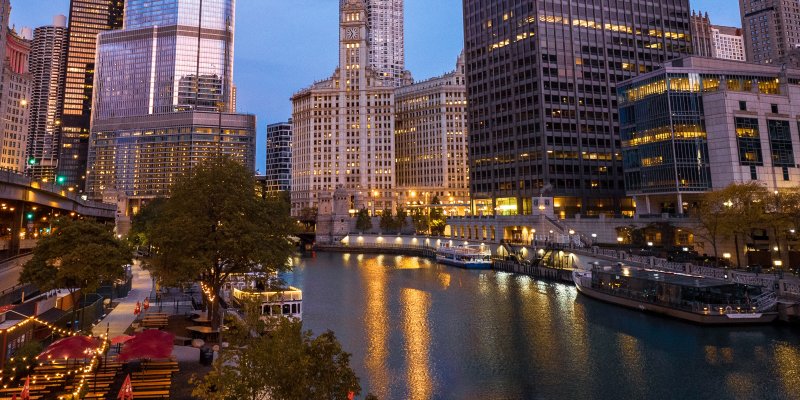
column 87, row 18
column 542, row 98
column 163, row 98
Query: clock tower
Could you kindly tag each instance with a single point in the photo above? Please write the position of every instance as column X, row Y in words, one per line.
column 353, row 57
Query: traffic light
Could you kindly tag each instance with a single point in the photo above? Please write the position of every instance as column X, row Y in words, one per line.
column 61, row 179
column 29, row 216
column 31, row 161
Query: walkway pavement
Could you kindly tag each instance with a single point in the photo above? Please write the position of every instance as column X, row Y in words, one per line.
column 121, row 317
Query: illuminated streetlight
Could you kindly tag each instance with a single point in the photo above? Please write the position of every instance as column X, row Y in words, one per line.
column 620, row 239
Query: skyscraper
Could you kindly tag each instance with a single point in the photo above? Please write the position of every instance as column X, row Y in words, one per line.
column 386, row 40
column 431, row 139
column 16, row 96
column 163, row 98
column 279, row 157
column 344, row 126
column 87, row 18
column 541, row 95
column 48, row 66
column 702, row 36
column 728, row 43
column 771, row 29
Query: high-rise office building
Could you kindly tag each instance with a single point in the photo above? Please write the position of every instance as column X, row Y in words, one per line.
column 163, row 98
column 386, row 40
column 542, row 99
column 87, row 18
column 344, row 126
column 728, row 43
column 431, row 140
column 699, row 125
column 14, row 106
column 48, row 66
column 771, row 29
column 702, row 36
column 278, row 174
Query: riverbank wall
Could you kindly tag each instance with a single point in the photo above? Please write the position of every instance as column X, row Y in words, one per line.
column 544, row 273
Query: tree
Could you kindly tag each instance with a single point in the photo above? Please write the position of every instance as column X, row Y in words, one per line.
column 420, row 220
column 363, row 221
column 387, row 221
column 214, row 225
column 400, row 219
column 308, row 217
column 712, row 215
column 142, row 222
column 286, row 363
column 79, row 254
column 438, row 221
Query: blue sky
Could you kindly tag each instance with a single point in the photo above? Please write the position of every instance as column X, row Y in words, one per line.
column 280, row 49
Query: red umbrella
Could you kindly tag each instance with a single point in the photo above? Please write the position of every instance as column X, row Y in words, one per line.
column 150, row 344
column 121, row 339
column 126, row 391
column 71, row 347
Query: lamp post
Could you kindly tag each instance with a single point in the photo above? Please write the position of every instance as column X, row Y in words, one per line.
column 594, row 239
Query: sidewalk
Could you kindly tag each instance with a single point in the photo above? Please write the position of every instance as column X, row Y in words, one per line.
column 121, row 317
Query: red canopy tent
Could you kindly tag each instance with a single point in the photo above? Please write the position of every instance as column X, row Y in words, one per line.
column 150, row 344
column 74, row 347
column 121, row 339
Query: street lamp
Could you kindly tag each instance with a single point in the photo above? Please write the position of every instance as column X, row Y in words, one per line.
column 594, row 239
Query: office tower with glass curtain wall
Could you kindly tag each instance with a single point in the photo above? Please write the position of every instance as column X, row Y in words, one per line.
column 48, row 66
column 542, row 98
column 163, row 98
column 87, row 18
column 279, row 157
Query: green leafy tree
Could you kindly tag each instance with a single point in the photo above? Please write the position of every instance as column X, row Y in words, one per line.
column 712, row 215
column 387, row 221
column 142, row 223
column 286, row 363
column 214, row 225
column 79, row 254
column 420, row 220
column 363, row 221
column 438, row 221
column 308, row 217
column 400, row 219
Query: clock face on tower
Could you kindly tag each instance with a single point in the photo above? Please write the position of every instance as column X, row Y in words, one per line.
column 351, row 33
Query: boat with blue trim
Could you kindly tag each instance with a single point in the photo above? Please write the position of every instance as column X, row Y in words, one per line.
column 465, row 256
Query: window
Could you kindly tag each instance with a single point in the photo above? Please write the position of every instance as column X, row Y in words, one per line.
column 753, row 173
column 742, row 106
column 780, row 141
column 786, row 173
column 749, row 141
column 774, row 108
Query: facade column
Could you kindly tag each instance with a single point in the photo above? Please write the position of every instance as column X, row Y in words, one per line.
column 647, row 204
column 16, row 227
column 680, row 203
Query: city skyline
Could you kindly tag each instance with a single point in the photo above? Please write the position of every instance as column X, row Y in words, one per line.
column 432, row 46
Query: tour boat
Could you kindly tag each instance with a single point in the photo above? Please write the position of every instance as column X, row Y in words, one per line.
column 691, row 298
column 469, row 257
column 274, row 299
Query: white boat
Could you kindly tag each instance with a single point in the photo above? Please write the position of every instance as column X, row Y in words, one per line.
column 465, row 256
column 275, row 300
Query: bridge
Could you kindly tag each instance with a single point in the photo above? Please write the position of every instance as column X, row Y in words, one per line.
column 28, row 208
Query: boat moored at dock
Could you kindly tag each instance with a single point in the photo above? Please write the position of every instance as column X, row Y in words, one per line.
column 691, row 298
column 465, row 256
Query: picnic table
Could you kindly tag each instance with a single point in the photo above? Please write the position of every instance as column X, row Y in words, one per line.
column 155, row 320
column 202, row 332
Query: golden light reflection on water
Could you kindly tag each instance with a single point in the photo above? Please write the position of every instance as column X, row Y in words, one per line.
column 741, row 385
column 417, row 337
column 787, row 363
column 632, row 360
column 376, row 324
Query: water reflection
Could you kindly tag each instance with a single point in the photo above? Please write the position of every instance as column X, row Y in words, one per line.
column 418, row 330
column 417, row 336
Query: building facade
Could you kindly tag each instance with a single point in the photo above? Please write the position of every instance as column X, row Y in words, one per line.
column 163, row 98
column 344, row 126
column 702, row 35
column 431, row 140
column 48, row 66
column 541, row 97
column 278, row 172
column 87, row 18
column 702, row 124
column 771, row 29
column 386, row 41
column 728, row 43
column 15, row 96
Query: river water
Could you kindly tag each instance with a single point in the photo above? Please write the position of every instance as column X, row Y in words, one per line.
column 419, row 330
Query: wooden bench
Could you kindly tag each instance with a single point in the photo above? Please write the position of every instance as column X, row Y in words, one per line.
column 153, row 394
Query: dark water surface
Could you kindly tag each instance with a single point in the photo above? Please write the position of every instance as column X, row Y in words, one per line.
column 419, row 330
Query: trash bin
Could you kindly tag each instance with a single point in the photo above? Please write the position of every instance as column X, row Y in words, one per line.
column 206, row 356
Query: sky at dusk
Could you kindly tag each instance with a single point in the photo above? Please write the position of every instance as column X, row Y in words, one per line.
column 283, row 46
